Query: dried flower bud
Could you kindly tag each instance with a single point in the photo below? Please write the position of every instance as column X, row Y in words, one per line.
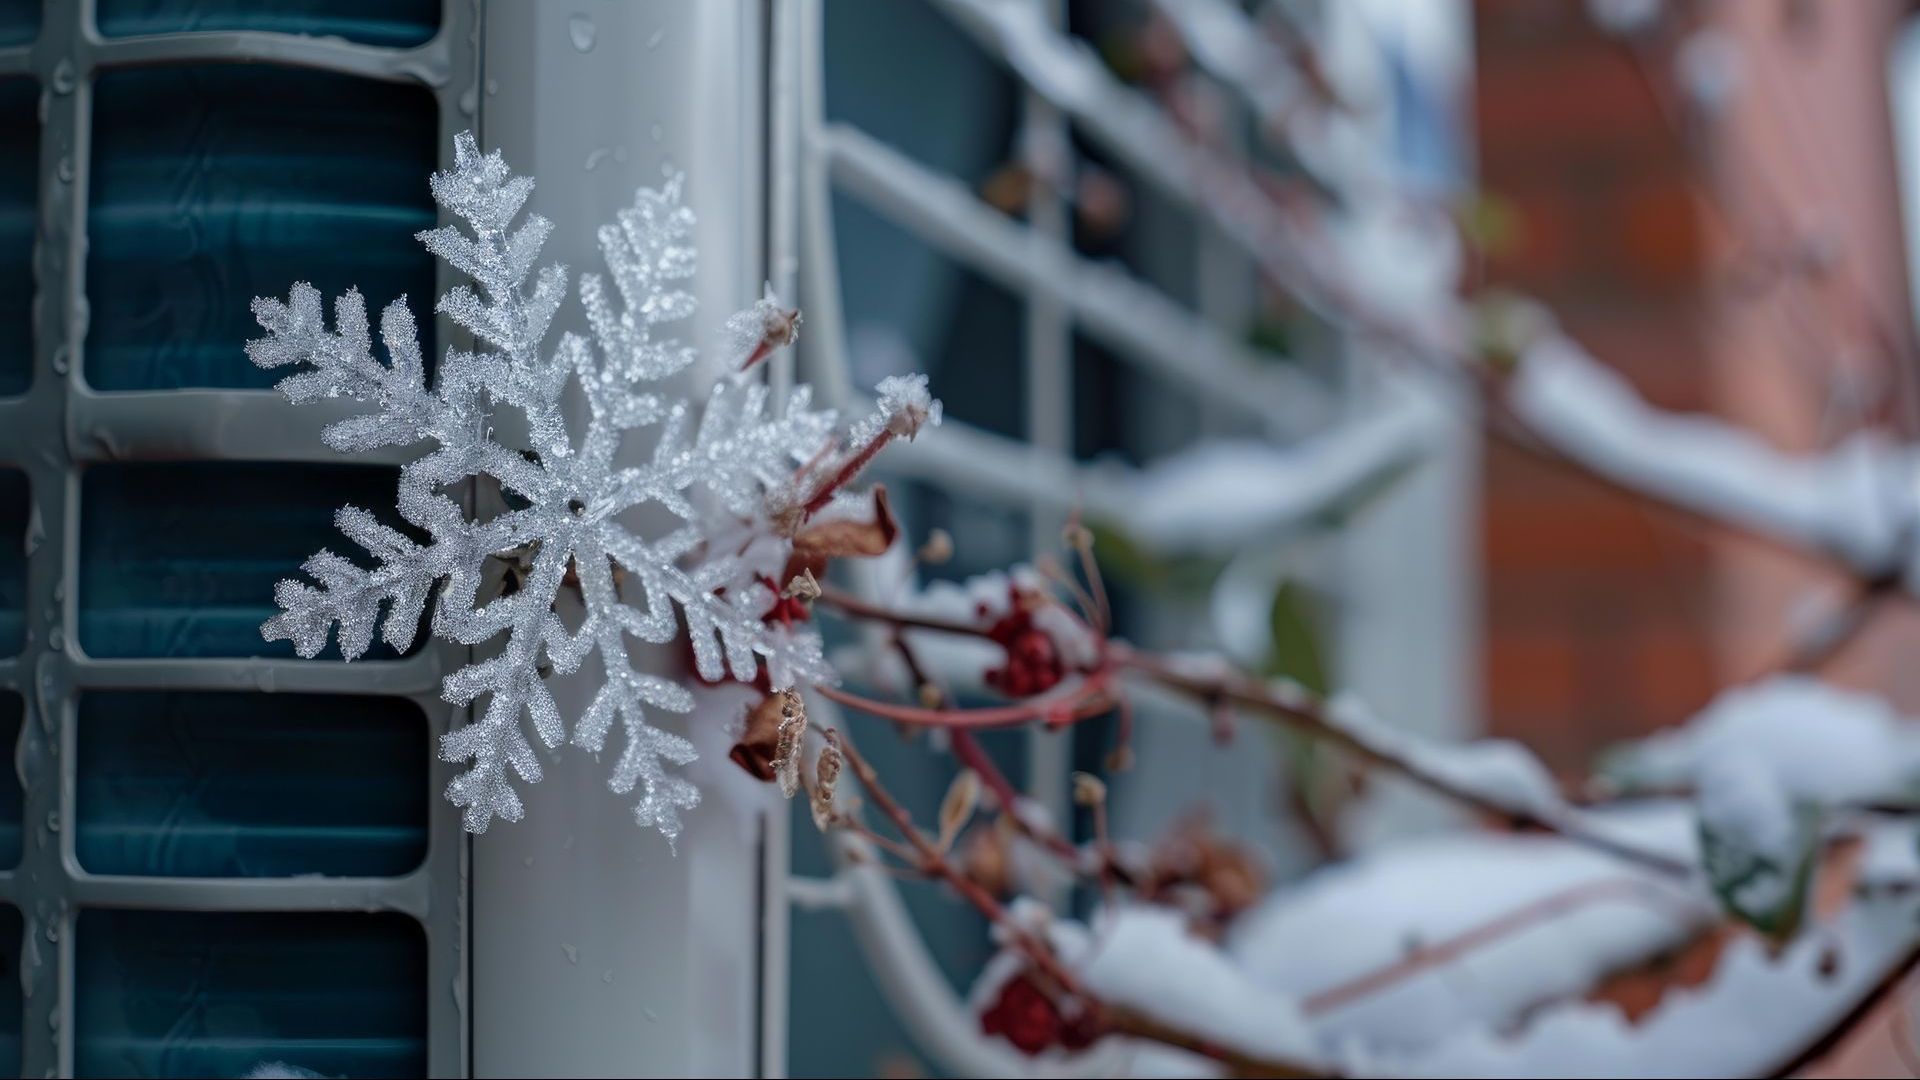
column 803, row 587
column 762, row 330
column 791, row 739
column 986, row 858
column 826, row 776
column 1119, row 759
column 1009, row 189
column 931, row 697
column 956, row 809
column 938, row 548
column 1077, row 536
column 907, row 420
column 1088, row 789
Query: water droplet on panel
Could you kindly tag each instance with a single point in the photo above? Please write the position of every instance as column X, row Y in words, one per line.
column 573, row 954
column 64, row 77
column 64, row 170
column 654, row 39
column 581, row 30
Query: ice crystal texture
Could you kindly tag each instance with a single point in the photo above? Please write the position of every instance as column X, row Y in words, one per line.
column 564, row 527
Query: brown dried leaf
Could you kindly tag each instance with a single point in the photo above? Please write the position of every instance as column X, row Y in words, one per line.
column 956, row 809
column 759, row 740
column 823, row 541
column 789, row 742
column 826, row 777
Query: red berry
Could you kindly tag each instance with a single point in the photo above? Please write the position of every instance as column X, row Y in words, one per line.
column 1023, row 1016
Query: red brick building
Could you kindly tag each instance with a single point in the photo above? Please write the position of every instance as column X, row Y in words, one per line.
column 1683, row 244
column 1747, row 261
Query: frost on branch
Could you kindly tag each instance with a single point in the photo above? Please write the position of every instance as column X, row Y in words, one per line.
column 711, row 472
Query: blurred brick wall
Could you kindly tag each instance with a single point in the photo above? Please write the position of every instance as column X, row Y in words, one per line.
column 1604, row 618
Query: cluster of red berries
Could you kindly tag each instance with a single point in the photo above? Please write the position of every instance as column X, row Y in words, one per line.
column 1033, row 661
column 1025, row 1016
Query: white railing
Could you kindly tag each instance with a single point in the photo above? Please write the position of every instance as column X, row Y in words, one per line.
column 1344, row 441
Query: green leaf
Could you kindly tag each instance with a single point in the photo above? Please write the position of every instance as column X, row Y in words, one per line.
column 1295, row 652
column 1126, row 561
column 1758, row 850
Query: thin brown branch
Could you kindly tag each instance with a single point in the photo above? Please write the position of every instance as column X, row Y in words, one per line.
column 1118, row 1020
column 1307, row 714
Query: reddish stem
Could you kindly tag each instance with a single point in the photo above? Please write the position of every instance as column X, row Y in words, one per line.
column 854, row 607
column 849, row 469
column 1088, row 699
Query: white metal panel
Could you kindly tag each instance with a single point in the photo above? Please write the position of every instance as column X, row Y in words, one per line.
column 597, row 951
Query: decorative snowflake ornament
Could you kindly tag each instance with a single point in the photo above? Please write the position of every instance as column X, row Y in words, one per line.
column 563, row 530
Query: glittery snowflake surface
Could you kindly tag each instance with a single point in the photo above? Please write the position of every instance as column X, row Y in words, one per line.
column 563, row 526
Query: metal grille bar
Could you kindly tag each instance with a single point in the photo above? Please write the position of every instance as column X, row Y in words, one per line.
column 60, row 425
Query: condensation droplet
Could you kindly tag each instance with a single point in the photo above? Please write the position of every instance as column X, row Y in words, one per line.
column 469, row 101
column 528, row 860
column 654, row 39
column 573, row 954
column 658, row 133
column 596, row 156
column 62, row 359
column 493, row 87
column 56, row 639
column 64, row 170
column 580, row 28
column 64, row 78
column 53, row 821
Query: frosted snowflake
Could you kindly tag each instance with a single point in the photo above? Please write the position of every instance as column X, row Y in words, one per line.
column 561, row 528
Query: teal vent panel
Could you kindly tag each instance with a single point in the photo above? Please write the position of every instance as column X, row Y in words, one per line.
column 15, row 510
column 12, row 799
column 180, row 559
column 10, row 1001
column 251, row 785
column 393, row 23
column 19, row 21
column 19, row 184
column 212, row 185
column 167, row 993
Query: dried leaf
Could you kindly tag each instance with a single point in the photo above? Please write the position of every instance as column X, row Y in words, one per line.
column 956, row 809
column 1088, row 789
column 759, row 739
column 823, row 541
column 826, row 777
column 790, row 740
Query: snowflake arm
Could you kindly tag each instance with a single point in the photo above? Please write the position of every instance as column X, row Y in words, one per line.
column 569, row 532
